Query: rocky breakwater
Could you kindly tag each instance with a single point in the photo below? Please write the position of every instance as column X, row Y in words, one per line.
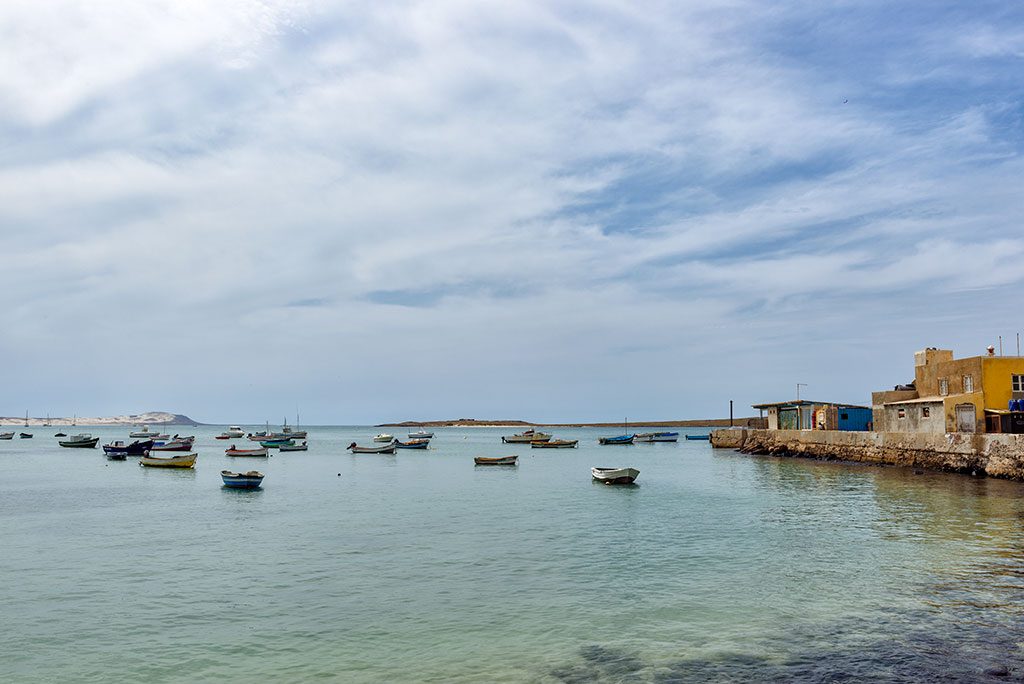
column 996, row 455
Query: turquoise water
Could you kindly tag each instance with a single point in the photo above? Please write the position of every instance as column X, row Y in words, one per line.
column 421, row 567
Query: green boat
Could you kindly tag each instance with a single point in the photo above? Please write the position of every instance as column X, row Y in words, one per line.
column 277, row 443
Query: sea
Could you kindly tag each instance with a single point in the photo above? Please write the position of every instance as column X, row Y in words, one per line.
column 421, row 567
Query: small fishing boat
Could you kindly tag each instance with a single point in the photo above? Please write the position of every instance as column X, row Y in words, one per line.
column 526, row 437
column 621, row 439
column 6, row 435
column 82, row 441
column 294, row 447
column 175, row 461
column 696, row 437
column 555, row 444
column 386, row 449
column 116, row 455
column 223, row 435
column 60, row 434
column 412, row 444
column 232, row 451
column 144, row 433
column 276, row 443
column 250, row 480
column 656, row 437
column 612, row 476
column 234, row 431
column 173, row 445
column 294, row 433
column 384, row 437
column 496, row 461
column 421, row 434
column 25, row 435
column 136, row 448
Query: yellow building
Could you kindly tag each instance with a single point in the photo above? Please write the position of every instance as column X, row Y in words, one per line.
column 954, row 395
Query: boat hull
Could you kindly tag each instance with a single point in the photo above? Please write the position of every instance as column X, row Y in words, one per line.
column 698, row 437
column 6, row 435
column 293, row 447
column 620, row 440
column 261, row 453
column 413, row 444
column 526, row 438
column 387, row 449
column 612, row 476
column 496, row 461
column 250, row 480
column 555, row 444
column 657, row 437
column 182, row 461
column 80, row 443
column 384, row 438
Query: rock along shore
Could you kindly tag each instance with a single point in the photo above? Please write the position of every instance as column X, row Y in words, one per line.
column 995, row 455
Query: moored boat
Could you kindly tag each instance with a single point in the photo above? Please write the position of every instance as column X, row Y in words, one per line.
column 173, row 445
column 25, row 435
column 276, row 443
column 620, row 439
column 412, row 444
column 81, row 441
column 175, row 461
column 136, row 448
column 294, row 447
column 384, row 437
column 6, row 435
column 526, row 437
column 116, row 455
column 696, row 437
column 496, row 460
column 232, row 451
column 234, row 431
column 250, row 480
column 223, row 435
column 615, row 475
column 386, row 449
column 60, row 434
column 421, row 434
column 555, row 444
column 656, row 437
column 144, row 433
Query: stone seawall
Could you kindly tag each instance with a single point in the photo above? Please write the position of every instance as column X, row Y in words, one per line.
column 995, row 455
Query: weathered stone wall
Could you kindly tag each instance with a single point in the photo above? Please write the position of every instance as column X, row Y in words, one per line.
column 996, row 455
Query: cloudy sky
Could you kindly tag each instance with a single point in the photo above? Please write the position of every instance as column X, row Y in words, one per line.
column 374, row 211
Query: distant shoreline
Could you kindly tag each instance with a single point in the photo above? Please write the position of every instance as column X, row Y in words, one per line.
column 470, row 423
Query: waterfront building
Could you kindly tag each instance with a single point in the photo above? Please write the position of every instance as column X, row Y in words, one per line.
column 803, row 414
column 954, row 395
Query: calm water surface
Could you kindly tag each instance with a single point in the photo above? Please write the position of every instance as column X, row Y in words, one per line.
column 421, row 567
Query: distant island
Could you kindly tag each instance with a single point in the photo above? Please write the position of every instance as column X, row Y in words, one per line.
column 149, row 418
column 475, row 422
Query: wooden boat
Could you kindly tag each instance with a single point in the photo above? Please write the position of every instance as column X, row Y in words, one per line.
column 555, row 444
column 136, row 448
column 82, row 441
column 144, row 433
column 6, row 435
column 526, row 437
column 175, row 461
column 656, row 437
column 294, row 447
column 621, row 439
column 694, row 437
column 250, row 480
column 412, row 444
column 60, row 434
column 496, row 461
column 386, row 449
column 421, row 434
column 25, row 435
column 232, row 451
column 276, row 443
column 384, row 437
column 615, row 475
column 116, row 455
column 173, row 445
column 294, row 433
column 223, row 435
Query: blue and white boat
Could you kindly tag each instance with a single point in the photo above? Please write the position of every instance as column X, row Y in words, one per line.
column 620, row 439
column 694, row 437
column 250, row 480
column 657, row 437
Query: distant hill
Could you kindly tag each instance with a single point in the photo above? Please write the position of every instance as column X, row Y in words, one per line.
column 148, row 418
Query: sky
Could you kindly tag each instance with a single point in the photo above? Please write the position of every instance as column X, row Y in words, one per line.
column 550, row 211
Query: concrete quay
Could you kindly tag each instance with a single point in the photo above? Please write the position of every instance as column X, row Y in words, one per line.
column 994, row 455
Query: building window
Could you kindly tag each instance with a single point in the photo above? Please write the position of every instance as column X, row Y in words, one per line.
column 968, row 384
column 901, row 413
column 944, row 386
column 844, row 416
column 926, row 411
column 1018, row 383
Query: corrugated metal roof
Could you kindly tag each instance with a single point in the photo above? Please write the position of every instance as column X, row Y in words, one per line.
column 920, row 400
column 805, row 402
